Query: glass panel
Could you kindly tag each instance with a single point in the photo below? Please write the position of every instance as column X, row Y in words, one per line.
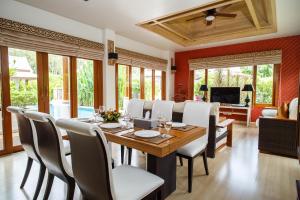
column 157, row 84
column 148, row 84
column 59, row 86
column 264, row 84
column 199, row 79
column 123, row 86
column 85, row 87
column 231, row 77
column 136, row 88
column 23, row 84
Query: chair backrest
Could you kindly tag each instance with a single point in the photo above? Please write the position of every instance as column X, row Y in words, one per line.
column 293, row 109
column 162, row 109
column 50, row 144
column 197, row 114
column 27, row 133
column 135, row 108
column 215, row 110
column 90, row 159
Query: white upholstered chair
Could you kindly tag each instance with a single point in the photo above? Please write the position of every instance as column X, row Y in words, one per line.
column 162, row 109
column 135, row 108
column 94, row 174
column 293, row 111
column 197, row 114
column 52, row 151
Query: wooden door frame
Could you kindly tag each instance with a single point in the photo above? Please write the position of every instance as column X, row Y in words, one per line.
column 73, row 87
column 98, row 83
column 163, row 85
column 142, row 83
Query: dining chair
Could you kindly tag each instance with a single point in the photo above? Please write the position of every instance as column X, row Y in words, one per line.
column 196, row 114
column 28, row 141
column 135, row 109
column 162, row 109
column 52, row 151
column 94, row 174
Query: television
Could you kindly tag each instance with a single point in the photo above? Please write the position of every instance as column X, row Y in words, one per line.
column 229, row 95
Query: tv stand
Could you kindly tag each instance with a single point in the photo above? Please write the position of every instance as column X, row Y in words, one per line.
column 236, row 111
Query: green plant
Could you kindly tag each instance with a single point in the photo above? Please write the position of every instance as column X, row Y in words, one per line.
column 110, row 116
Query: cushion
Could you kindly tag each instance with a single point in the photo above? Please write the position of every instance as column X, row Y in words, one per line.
column 162, row 109
column 179, row 107
column 293, row 109
column 67, row 146
column 134, row 183
column 135, row 108
column 220, row 131
column 193, row 148
column 148, row 105
column 269, row 112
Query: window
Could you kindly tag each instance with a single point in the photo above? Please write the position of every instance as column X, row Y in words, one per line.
column 264, row 84
column 85, row 87
column 199, row 79
column 23, row 84
column 136, row 84
column 148, row 84
column 158, row 84
column 231, row 77
column 123, row 86
column 59, row 86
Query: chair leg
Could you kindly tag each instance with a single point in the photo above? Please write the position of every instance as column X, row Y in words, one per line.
column 48, row 186
column 122, row 154
column 28, row 168
column 205, row 162
column 180, row 160
column 190, row 174
column 159, row 194
column 40, row 181
column 71, row 189
column 129, row 155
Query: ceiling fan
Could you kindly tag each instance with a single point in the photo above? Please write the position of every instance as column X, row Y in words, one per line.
column 210, row 16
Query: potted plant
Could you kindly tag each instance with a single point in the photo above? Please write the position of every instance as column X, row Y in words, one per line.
column 110, row 116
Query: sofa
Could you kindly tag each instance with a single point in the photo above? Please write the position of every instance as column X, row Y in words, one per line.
column 277, row 134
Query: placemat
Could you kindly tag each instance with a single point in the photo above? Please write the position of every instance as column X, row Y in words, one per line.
column 154, row 140
column 184, row 129
column 115, row 130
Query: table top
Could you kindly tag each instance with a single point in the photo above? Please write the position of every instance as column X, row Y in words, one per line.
column 160, row 150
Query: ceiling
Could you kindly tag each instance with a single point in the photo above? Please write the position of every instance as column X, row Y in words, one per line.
column 123, row 17
column 217, row 21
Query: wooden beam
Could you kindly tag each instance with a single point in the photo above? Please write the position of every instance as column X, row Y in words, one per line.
column 276, row 80
column 43, row 82
column 163, row 85
column 65, row 78
column 191, row 85
column 142, row 83
column 173, row 31
column 73, row 87
column 5, row 94
column 153, row 84
column 253, row 13
column 98, row 83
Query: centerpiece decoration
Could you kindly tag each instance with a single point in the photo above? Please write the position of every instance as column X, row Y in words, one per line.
column 110, row 116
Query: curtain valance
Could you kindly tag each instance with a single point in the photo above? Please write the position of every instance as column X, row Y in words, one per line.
column 237, row 60
column 18, row 35
column 141, row 60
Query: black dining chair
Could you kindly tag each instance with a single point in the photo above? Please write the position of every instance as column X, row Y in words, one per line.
column 52, row 151
column 28, row 141
column 93, row 172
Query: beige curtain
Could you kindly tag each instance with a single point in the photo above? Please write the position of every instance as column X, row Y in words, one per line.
column 237, row 60
column 137, row 59
column 18, row 35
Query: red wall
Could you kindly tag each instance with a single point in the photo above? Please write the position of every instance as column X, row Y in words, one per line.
column 289, row 70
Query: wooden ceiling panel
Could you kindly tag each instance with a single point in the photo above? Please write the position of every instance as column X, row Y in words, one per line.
column 252, row 17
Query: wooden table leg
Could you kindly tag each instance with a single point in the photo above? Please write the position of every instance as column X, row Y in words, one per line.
column 166, row 169
column 229, row 135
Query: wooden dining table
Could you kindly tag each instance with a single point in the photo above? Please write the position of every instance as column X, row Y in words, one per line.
column 161, row 158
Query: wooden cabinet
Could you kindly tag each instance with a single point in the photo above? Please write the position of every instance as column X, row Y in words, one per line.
column 236, row 112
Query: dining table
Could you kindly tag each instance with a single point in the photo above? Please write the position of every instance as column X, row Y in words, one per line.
column 160, row 151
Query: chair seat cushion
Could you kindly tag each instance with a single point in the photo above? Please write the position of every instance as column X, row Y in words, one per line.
column 193, row 148
column 134, row 183
column 67, row 146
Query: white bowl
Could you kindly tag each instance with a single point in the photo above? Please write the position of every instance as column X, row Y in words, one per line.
column 110, row 125
column 178, row 125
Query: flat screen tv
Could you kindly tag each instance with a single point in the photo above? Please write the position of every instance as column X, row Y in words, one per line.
column 230, row 95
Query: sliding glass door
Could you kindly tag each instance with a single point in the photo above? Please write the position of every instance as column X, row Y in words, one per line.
column 23, row 84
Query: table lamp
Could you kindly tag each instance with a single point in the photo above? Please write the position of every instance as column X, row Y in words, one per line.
column 247, row 88
column 204, row 89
